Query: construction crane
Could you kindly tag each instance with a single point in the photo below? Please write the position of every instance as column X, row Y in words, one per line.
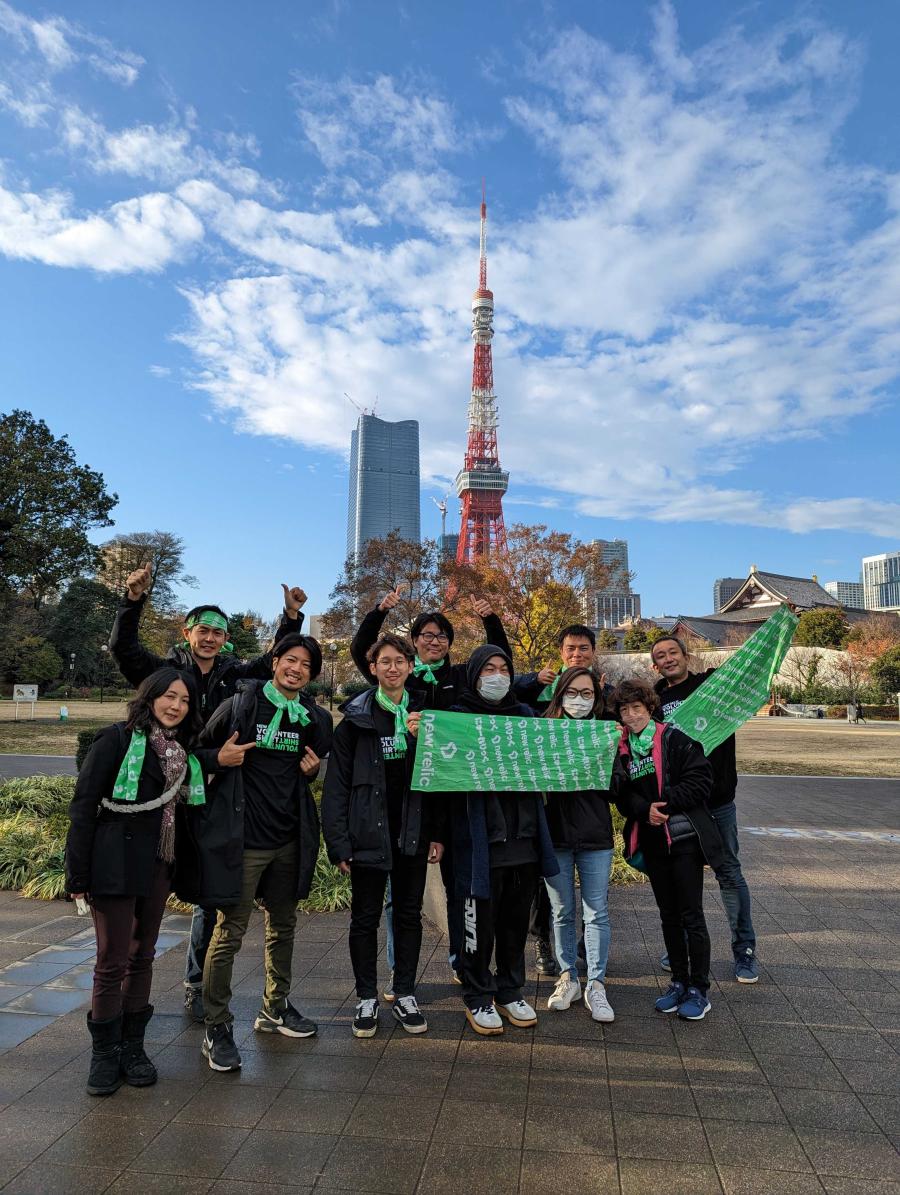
column 442, row 507
column 362, row 410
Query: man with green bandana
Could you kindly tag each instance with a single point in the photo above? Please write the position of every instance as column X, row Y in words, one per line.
column 264, row 818
column 207, row 655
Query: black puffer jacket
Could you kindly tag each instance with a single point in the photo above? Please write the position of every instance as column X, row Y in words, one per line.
column 112, row 852
column 451, row 677
column 723, row 759
column 580, row 821
column 222, row 818
column 354, row 803
column 136, row 663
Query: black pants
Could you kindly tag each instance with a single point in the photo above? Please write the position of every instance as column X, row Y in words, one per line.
column 676, row 877
column 497, row 926
column 539, row 923
column 407, row 890
column 127, row 928
column 454, row 908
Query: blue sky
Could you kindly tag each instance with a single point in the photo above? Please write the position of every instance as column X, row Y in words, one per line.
column 216, row 218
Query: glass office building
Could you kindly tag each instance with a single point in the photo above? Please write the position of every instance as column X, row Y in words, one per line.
column 384, row 481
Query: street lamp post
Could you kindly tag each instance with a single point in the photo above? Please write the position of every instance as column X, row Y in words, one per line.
column 104, row 648
column 71, row 673
column 332, row 649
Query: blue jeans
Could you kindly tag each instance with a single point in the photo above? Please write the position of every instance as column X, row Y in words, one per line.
column 594, row 868
column 732, row 885
column 202, row 925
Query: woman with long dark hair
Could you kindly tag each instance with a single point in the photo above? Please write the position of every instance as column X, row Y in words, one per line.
column 581, row 828
column 128, row 842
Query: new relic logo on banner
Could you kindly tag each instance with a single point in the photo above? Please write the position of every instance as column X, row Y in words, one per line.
column 493, row 753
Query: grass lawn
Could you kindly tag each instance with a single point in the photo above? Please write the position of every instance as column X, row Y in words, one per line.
column 791, row 747
column 46, row 735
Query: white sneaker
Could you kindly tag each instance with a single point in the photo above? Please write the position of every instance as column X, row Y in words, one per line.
column 567, row 989
column 484, row 1020
column 518, row 1013
column 596, row 1003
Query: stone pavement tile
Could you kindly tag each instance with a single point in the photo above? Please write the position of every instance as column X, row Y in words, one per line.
column 642, row 1175
column 547, row 1127
column 78, row 978
column 270, row 1157
column 639, row 1030
column 45, row 1000
column 15, row 1027
column 855, row 1043
column 227, row 1104
column 765, row 1146
column 673, row 1138
column 423, row 1048
column 32, row 973
column 551, row 1087
column 721, row 1101
column 497, row 1124
column 547, row 1173
column 234, row 1186
column 473, row 1081
column 750, row 1180
column 573, row 1025
column 878, row 1078
column 155, row 1105
column 42, row 1177
column 63, row 1090
column 510, row 1050
column 851, row 1155
column 333, row 1074
column 796, row 1040
column 194, row 1150
column 652, row 1095
column 795, row 975
column 377, row 1115
column 12, row 991
column 114, row 1142
column 130, row 1181
column 858, row 1186
column 634, row 1061
column 825, row 1110
column 415, row 1079
column 259, row 1068
column 722, row 1068
column 476, row 1171
column 885, row 1111
column 335, row 1040
column 181, row 1062
column 781, row 1070
column 860, row 979
column 576, row 1057
column 295, row 1111
column 369, row 1164
column 65, row 953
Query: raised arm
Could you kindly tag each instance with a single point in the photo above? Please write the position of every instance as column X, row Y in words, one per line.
column 291, row 623
column 368, row 632
column 134, row 660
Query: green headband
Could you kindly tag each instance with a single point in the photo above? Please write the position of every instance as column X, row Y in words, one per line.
column 209, row 618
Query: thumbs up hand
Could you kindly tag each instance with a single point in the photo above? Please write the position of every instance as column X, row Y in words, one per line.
column 138, row 582
column 294, row 597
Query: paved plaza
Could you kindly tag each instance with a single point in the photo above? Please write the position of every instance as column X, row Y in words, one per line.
column 791, row 1085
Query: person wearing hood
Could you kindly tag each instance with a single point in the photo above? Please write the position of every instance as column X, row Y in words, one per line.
column 377, row 828
column 206, row 656
column 501, row 845
column 582, row 832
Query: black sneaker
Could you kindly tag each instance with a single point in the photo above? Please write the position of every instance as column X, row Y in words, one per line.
column 219, row 1049
column 543, row 958
column 193, row 1004
column 406, row 1011
column 365, row 1023
column 289, row 1022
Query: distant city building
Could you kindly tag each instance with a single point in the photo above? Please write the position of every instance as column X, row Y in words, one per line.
column 881, row 581
column 613, row 602
column 848, row 593
column 384, row 481
column 315, row 626
column 448, row 544
column 724, row 590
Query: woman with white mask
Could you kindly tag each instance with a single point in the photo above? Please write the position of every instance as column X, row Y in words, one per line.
column 582, row 832
column 501, row 846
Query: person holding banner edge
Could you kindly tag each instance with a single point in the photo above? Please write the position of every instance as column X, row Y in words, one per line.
column 205, row 654
column 661, row 785
column 670, row 659
column 581, row 829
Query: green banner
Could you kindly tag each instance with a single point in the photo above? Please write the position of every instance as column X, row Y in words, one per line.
column 735, row 692
column 493, row 753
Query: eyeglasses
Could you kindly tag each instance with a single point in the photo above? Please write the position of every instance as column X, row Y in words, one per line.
column 587, row 694
column 431, row 637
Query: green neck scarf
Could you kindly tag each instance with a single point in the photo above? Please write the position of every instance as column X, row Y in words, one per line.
column 428, row 671
column 549, row 691
column 295, row 712
column 126, row 785
column 209, row 618
column 642, row 744
column 399, row 712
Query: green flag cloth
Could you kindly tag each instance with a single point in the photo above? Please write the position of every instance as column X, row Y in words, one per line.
column 735, row 692
column 549, row 691
column 126, row 783
column 494, row 753
column 295, row 713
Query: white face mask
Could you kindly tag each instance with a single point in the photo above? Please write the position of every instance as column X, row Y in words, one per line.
column 575, row 706
column 494, row 687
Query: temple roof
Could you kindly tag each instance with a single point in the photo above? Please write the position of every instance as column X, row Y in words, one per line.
column 765, row 589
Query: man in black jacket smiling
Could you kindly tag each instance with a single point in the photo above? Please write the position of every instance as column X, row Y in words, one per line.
column 263, row 819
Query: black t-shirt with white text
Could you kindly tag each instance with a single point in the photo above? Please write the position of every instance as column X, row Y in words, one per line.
column 271, row 778
column 396, row 769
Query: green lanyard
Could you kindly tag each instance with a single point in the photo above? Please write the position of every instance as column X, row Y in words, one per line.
column 295, row 712
column 126, row 785
column 427, row 671
column 642, row 744
column 398, row 709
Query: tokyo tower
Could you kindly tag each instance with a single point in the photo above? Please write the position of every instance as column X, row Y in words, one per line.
column 481, row 483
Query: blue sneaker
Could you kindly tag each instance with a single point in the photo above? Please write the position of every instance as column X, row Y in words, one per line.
column 694, row 1006
column 746, row 968
column 672, row 999
column 664, row 963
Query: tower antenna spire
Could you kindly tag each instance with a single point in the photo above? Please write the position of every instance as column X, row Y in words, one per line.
column 481, row 483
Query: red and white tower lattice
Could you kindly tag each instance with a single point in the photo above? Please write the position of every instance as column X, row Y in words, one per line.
column 481, row 483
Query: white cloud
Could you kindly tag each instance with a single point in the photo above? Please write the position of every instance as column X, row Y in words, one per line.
column 145, row 233
column 61, row 44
